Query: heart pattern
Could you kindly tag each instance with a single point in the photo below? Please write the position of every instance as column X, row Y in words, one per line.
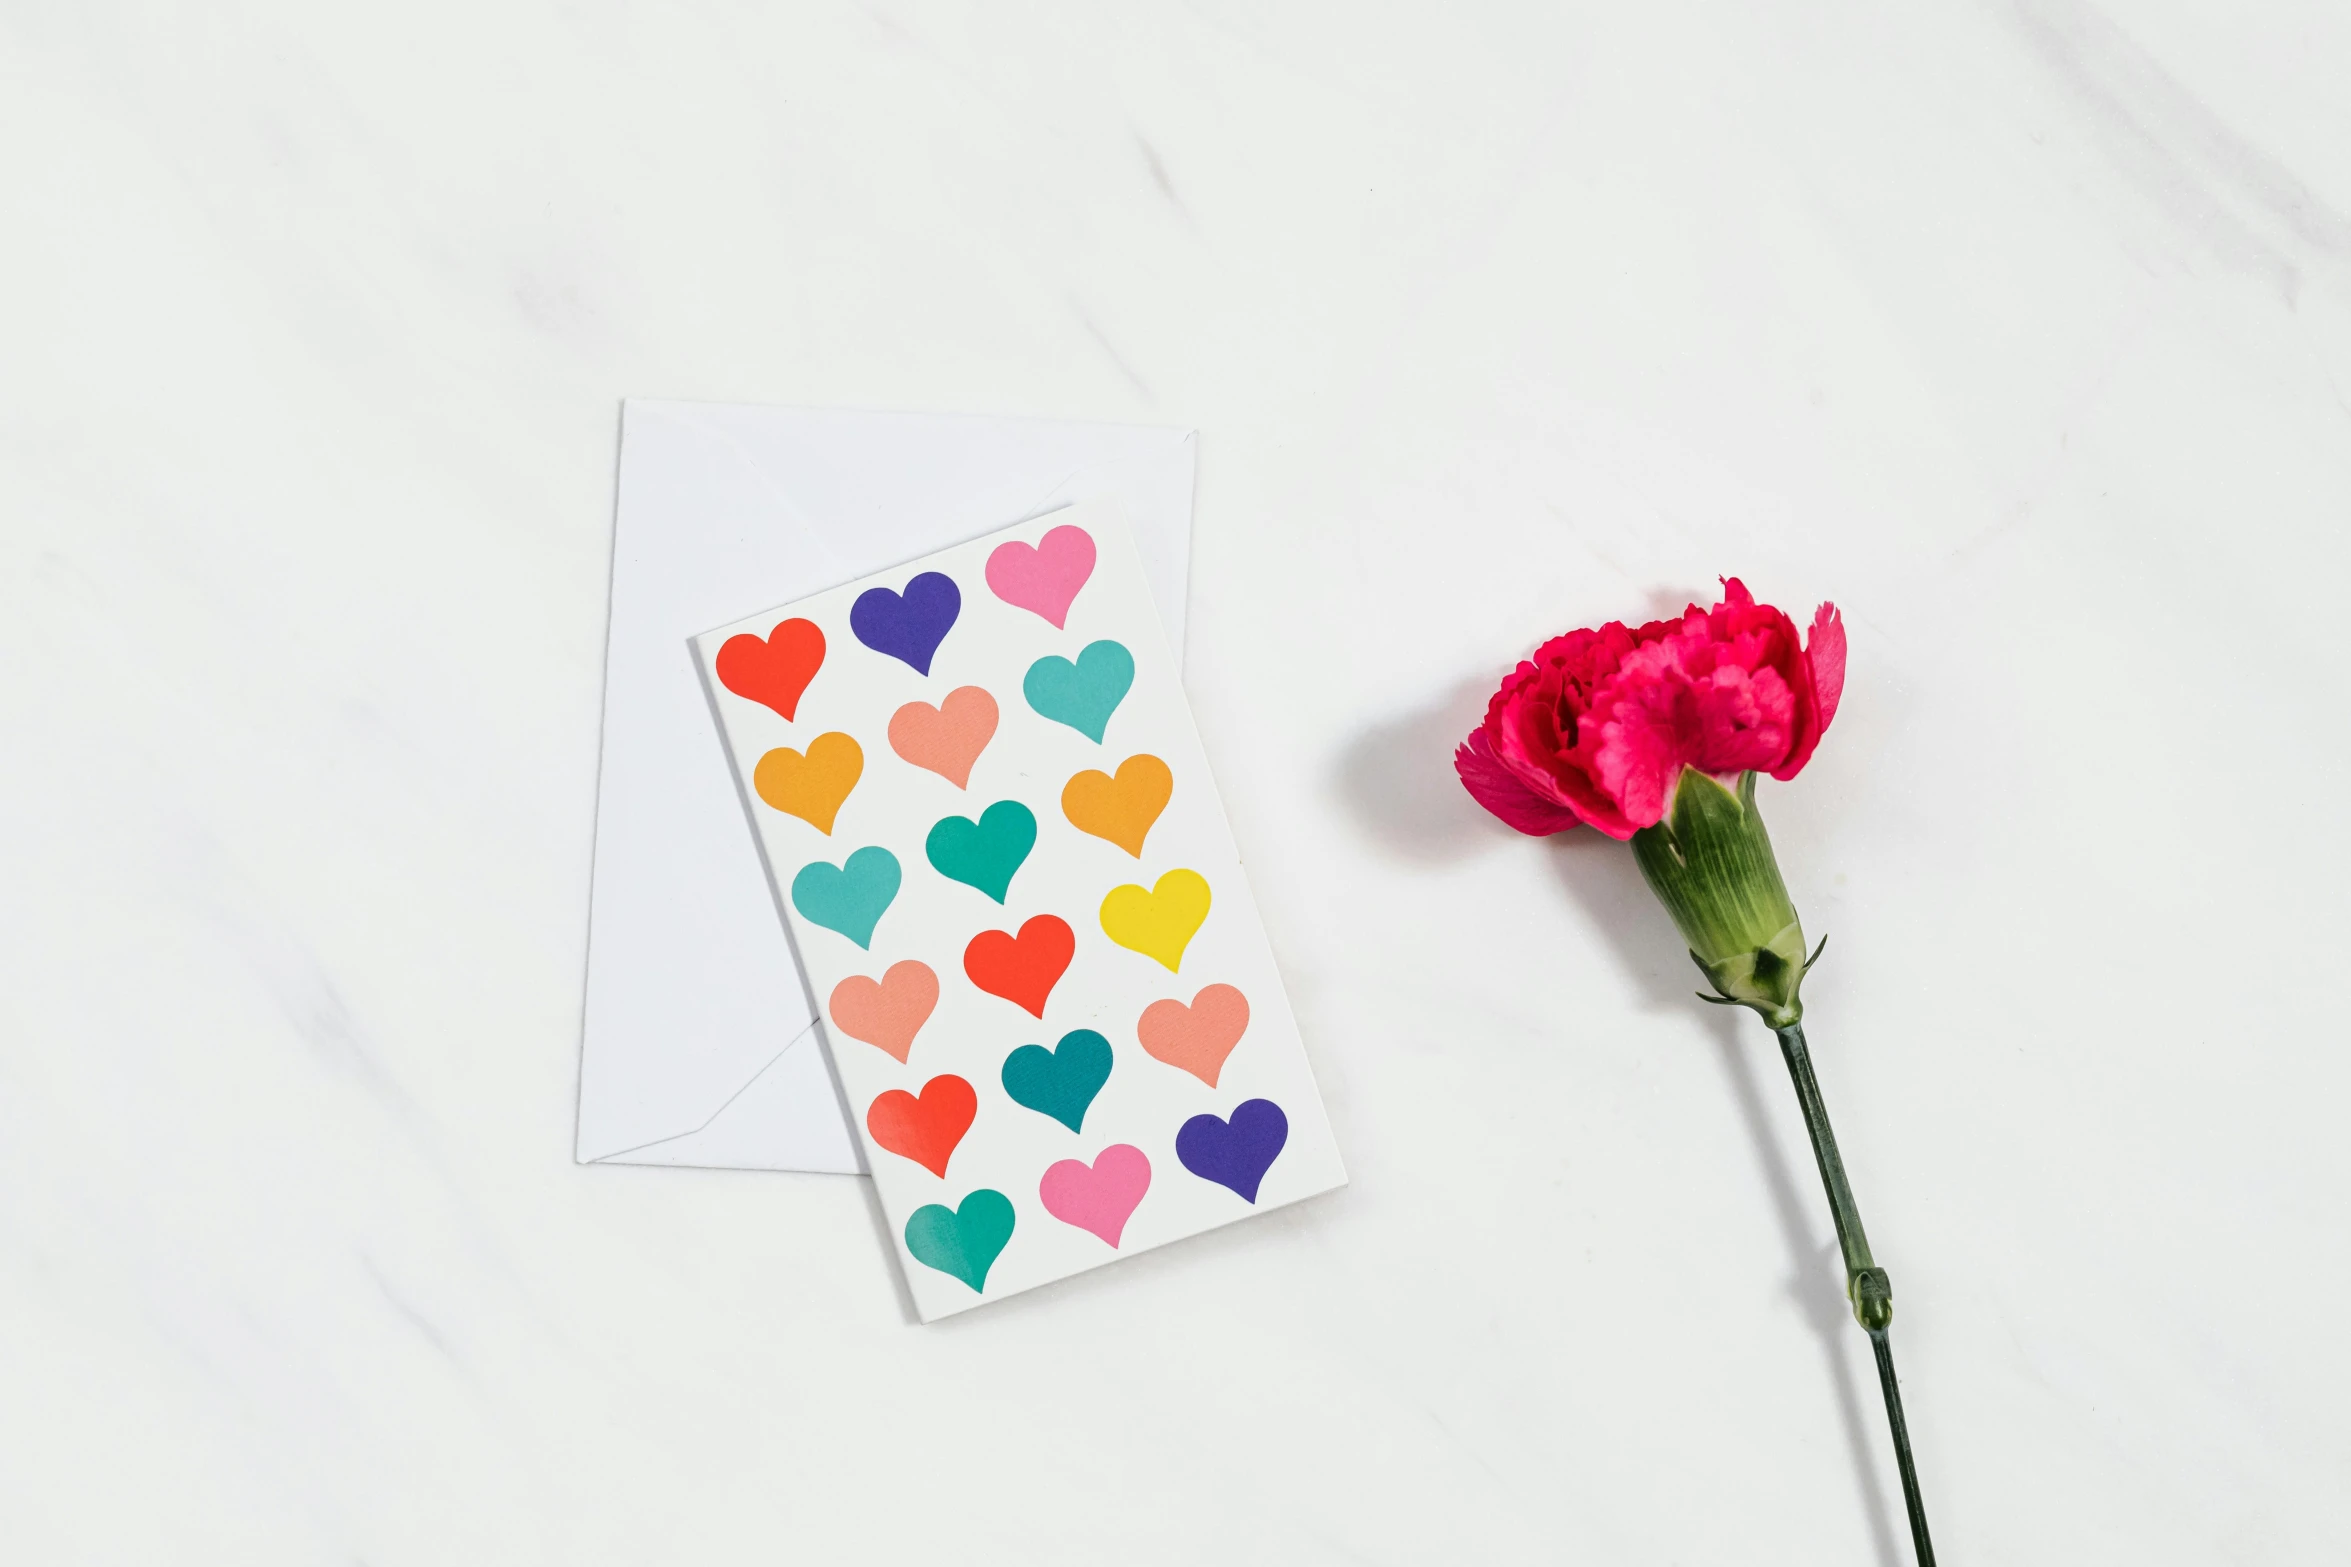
column 1195, row 1038
column 1082, row 694
column 908, row 626
column 963, row 1242
column 887, row 1013
column 1060, row 1082
column 925, row 1128
column 1008, row 1134
column 1023, row 969
column 811, row 787
column 773, row 670
column 1159, row 923
column 1235, row 1154
column 948, row 738
column 1043, row 579
column 985, row 853
column 850, row 897
column 1120, row 809
column 1098, row 1197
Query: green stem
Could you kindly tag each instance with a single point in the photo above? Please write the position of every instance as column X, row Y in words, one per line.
column 1913, row 1503
column 1866, row 1284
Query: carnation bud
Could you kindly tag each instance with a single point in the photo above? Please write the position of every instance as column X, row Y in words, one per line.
column 1710, row 863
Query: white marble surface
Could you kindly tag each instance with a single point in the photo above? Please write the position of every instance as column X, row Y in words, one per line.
column 2023, row 331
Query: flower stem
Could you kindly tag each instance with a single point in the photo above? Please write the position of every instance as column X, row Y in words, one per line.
column 1866, row 1284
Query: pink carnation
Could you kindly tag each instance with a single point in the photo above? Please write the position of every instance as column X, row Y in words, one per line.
column 1599, row 724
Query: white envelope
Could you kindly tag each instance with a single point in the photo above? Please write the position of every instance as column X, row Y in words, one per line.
column 699, row 1044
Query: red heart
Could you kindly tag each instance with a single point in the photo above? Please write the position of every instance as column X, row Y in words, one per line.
column 776, row 671
column 1022, row 969
column 925, row 1130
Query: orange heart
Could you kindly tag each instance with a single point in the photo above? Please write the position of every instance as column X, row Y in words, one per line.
column 948, row 738
column 888, row 1012
column 1196, row 1038
column 810, row 787
column 1119, row 809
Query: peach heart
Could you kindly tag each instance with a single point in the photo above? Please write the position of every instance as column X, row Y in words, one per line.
column 887, row 1013
column 1196, row 1038
column 948, row 738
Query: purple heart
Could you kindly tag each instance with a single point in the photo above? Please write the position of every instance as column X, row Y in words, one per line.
column 911, row 626
column 1235, row 1153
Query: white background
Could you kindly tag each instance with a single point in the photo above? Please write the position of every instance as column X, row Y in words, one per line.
column 2021, row 330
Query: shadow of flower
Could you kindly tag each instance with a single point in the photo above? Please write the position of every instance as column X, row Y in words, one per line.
column 1397, row 779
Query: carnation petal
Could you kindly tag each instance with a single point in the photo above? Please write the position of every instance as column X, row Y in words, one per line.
column 1824, row 666
column 1504, row 793
column 1641, row 750
column 1825, row 651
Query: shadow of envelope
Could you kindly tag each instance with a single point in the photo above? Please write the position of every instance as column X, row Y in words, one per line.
column 699, row 1043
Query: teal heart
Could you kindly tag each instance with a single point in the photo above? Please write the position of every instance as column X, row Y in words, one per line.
column 964, row 1242
column 1082, row 695
column 849, row 897
column 985, row 853
column 1060, row 1082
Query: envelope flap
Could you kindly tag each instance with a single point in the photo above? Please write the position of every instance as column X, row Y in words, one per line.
column 692, row 991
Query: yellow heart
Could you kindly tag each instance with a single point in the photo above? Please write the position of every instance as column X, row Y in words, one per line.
column 810, row 787
column 1160, row 923
column 1119, row 809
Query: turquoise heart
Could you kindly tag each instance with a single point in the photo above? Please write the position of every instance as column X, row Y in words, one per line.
column 965, row 1242
column 1060, row 1082
column 1082, row 695
column 985, row 853
column 849, row 897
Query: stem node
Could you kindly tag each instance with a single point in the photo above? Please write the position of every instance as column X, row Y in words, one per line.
column 1873, row 1299
column 1866, row 1284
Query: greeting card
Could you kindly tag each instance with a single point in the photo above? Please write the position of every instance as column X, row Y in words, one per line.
column 1007, row 873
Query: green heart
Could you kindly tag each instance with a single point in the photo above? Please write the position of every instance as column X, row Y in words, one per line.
column 1060, row 1082
column 965, row 1242
column 849, row 897
column 985, row 853
column 1082, row 695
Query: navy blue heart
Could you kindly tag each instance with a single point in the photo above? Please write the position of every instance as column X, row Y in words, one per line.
column 908, row 626
column 1235, row 1153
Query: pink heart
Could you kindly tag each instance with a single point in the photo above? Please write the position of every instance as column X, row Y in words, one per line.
column 948, row 738
column 1097, row 1197
column 1045, row 579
